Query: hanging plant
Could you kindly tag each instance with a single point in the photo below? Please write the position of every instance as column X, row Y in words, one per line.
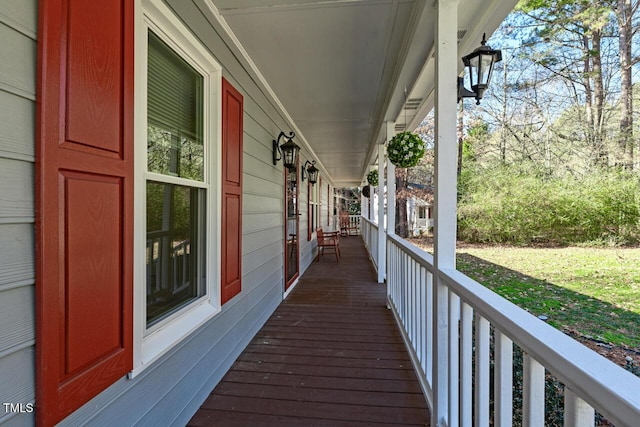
column 372, row 178
column 405, row 149
column 366, row 191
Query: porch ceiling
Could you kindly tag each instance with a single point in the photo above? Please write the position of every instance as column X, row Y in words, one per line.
column 340, row 67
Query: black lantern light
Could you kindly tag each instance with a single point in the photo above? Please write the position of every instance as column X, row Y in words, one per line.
column 480, row 64
column 288, row 151
column 312, row 171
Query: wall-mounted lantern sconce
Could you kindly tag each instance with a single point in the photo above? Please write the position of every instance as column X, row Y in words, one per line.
column 288, row 151
column 312, row 171
column 479, row 64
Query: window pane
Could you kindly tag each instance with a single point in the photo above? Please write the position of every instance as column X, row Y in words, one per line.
column 175, row 114
column 175, row 248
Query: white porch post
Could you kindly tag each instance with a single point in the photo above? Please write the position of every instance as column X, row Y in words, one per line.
column 391, row 196
column 445, row 199
column 391, row 185
column 382, row 236
column 364, row 206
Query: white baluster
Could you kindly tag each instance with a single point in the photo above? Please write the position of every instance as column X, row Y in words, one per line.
column 577, row 412
column 503, row 380
column 466, row 367
column 532, row 393
column 482, row 385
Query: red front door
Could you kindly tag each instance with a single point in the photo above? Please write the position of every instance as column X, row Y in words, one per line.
column 291, row 227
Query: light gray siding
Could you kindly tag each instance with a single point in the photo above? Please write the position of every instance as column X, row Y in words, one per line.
column 17, row 123
column 172, row 389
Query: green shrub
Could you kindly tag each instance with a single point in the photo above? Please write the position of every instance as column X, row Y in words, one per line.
column 524, row 207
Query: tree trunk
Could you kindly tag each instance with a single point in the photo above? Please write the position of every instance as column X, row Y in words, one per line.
column 588, row 93
column 624, row 12
column 402, row 225
column 460, row 138
column 598, row 97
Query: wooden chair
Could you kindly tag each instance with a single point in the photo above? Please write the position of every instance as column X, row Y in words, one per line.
column 328, row 241
column 346, row 227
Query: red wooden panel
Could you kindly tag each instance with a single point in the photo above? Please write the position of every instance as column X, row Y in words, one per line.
column 328, row 204
column 94, row 73
column 84, row 202
column 232, row 273
column 232, row 150
column 93, row 212
column 233, row 125
column 319, row 219
column 309, row 223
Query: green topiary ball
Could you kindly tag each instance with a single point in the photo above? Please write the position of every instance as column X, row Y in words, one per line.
column 372, row 178
column 405, row 149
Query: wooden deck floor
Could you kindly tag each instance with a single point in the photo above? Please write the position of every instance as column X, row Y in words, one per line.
column 331, row 355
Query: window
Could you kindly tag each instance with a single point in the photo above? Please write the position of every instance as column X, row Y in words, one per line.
column 176, row 229
column 314, row 209
column 177, row 166
column 422, row 211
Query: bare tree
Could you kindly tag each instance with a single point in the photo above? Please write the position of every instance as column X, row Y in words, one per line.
column 625, row 10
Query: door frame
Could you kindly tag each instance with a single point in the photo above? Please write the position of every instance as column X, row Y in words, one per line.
column 288, row 282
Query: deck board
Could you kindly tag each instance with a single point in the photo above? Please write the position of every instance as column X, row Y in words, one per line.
column 330, row 355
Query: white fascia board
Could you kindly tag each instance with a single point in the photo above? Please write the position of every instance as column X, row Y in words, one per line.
column 494, row 13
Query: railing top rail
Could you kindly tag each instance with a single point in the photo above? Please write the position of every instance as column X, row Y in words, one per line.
column 373, row 224
column 603, row 384
column 422, row 257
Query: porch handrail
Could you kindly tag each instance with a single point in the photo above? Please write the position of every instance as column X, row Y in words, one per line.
column 600, row 382
column 370, row 237
column 590, row 380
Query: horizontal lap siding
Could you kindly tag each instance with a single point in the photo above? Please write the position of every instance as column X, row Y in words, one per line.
column 172, row 389
column 17, row 115
column 306, row 246
column 18, row 24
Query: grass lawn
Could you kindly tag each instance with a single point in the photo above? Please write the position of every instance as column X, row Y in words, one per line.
column 592, row 291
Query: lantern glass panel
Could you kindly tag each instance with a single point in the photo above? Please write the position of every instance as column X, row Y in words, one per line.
column 313, row 175
column 485, row 69
column 473, row 70
column 289, row 156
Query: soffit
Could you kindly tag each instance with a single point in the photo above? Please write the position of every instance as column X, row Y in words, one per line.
column 341, row 68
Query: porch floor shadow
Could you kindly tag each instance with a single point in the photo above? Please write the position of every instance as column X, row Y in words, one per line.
column 330, row 355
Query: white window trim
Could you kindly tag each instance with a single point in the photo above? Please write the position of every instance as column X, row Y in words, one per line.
column 314, row 206
column 151, row 345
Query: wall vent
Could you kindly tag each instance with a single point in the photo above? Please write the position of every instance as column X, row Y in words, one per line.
column 412, row 103
column 461, row 33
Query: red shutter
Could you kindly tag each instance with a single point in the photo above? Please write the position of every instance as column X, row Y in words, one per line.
column 319, row 220
column 328, row 205
column 309, row 213
column 232, row 112
column 84, row 202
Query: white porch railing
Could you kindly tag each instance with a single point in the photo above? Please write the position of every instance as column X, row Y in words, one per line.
column 370, row 237
column 354, row 223
column 590, row 380
column 424, row 223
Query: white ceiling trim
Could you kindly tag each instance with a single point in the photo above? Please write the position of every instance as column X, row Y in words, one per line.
column 259, row 6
